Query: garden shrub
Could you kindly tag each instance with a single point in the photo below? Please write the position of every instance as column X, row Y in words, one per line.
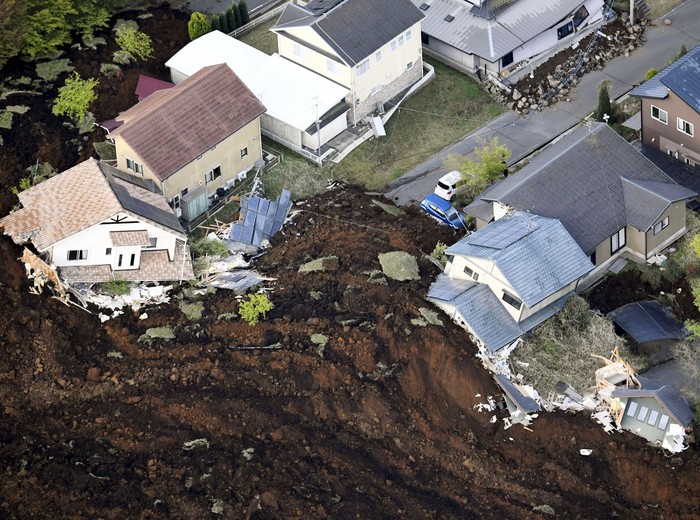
column 255, row 307
column 49, row 71
column 137, row 44
column 75, row 97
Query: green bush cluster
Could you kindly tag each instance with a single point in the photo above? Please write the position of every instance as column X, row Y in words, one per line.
column 74, row 97
column 253, row 308
column 234, row 17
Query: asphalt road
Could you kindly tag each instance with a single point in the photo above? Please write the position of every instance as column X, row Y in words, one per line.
column 524, row 135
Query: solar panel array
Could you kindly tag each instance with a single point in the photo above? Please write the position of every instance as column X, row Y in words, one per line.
column 262, row 218
column 502, row 234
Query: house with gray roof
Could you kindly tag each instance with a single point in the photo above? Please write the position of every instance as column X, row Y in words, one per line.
column 371, row 48
column 499, row 36
column 671, row 109
column 96, row 223
column 611, row 199
column 653, row 413
column 505, row 279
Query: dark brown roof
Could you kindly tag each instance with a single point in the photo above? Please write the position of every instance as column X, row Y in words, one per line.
column 172, row 127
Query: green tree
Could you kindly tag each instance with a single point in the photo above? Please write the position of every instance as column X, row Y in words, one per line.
column 604, row 104
column 684, row 50
column 12, row 28
column 231, row 19
column 237, row 15
column 215, row 25
column 245, row 15
column 47, row 27
column 650, row 74
column 254, row 307
column 74, row 97
column 198, row 25
column 223, row 22
column 135, row 43
column 90, row 15
column 490, row 164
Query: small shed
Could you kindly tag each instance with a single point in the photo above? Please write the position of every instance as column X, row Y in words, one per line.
column 519, row 403
column 650, row 327
column 653, row 413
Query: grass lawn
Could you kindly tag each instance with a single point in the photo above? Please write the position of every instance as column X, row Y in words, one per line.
column 660, row 7
column 449, row 107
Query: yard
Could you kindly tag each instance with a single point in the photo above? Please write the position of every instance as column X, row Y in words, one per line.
column 449, row 107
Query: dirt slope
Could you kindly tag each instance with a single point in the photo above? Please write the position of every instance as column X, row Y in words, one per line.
column 329, row 433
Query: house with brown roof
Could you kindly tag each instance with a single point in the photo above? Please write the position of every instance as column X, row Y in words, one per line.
column 193, row 138
column 96, row 223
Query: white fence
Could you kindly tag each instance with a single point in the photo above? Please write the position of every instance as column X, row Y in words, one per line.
column 259, row 20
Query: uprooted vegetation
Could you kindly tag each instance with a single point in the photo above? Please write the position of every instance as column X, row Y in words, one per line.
column 563, row 349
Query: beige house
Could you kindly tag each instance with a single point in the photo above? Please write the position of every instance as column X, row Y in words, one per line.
column 372, row 48
column 193, row 138
column 671, row 109
column 506, row 278
column 96, row 223
column 611, row 199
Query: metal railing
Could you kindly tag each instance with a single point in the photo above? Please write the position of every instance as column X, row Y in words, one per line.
column 259, row 20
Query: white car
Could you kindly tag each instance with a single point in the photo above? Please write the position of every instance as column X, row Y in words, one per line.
column 447, row 185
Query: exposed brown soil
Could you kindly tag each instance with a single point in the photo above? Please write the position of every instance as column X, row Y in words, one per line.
column 333, row 435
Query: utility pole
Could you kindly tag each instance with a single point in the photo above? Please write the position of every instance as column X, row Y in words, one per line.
column 318, row 130
column 631, row 12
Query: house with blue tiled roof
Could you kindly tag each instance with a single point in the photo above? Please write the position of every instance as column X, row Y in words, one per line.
column 671, row 109
column 505, row 279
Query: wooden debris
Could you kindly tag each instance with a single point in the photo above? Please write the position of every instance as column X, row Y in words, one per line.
column 41, row 273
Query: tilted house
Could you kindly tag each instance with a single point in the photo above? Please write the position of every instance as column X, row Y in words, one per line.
column 671, row 109
column 304, row 110
column 495, row 36
column 610, row 198
column 657, row 414
column 508, row 277
column 96, row 223
column 371, row 48
column 193, row 138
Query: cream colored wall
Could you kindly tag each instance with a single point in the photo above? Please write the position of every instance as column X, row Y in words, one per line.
column 311, row 37
column 226, row 154
column 392, row 65
column 676, row 222
column 636, row 240
column 315, row 61
column 529, row 311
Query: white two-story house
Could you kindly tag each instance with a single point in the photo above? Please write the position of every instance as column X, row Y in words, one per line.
column 370, row 47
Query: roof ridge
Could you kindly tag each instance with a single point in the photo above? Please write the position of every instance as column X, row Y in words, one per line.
column 636, row 182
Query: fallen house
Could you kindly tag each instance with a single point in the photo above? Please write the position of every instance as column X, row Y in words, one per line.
column 259, row 220
column 520, row 403
column 496, row 37
column 96, row 223
column 649, row 327
column 505, row 279
column 304, row 110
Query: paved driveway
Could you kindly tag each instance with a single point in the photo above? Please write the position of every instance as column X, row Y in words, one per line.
column 524, row 135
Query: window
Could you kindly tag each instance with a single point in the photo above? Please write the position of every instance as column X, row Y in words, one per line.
column 663, row 422
column 642, row 415
column 184, row 191
column 208, row 177
column 378, row 55
column 133, row 260
column 690, row 162
column 580, row 16
column 672, row 153
column 130, row 165
column 244, row 152
column 176, row 202
column 139, row 168
column 108, row 251
column 333, row 66
column 507, row 59
column 593, row 258
column 468, row 271
column 393, row 45
column 659, row 115
column 685, row 127
column 449, row 18
column 631, row 408
column 565, row 30
column 153, row 242
column 476, row 276
column 217, row 170
column 119, row 262
column 618, row 241
column 409, row 65
column 77, row 254
column 511, row 300
column 408, row 35
column 400, row 40
column 424, row 6
column 300, row 51
column 375, row 89
column 134, row 166
column 661, row 225
column 652, row 417
column 363, row 67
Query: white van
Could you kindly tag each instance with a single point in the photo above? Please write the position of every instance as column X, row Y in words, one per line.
column 447, row 185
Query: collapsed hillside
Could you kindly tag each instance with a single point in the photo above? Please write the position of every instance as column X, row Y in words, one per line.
column 378, row 422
